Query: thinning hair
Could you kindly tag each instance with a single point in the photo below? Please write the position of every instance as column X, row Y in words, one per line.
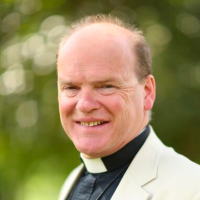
column 138, row 43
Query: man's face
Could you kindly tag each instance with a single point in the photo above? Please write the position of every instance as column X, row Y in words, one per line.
column 101, row 102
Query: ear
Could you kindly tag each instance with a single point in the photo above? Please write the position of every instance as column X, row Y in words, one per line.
column 150, row 92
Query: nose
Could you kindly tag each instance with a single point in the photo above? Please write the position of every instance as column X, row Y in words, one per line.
column 87, row 102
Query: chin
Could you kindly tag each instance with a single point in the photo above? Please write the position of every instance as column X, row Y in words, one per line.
column 91, row 151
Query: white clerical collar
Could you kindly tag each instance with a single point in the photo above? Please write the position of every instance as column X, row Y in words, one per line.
column 122, row 157
column 94, row 165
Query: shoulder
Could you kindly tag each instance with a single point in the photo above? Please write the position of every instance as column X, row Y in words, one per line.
column 171, row 162
column 177, row 167
column 176, row 175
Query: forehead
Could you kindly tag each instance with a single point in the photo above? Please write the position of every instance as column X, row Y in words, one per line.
column 100, row 37
column 96, row 47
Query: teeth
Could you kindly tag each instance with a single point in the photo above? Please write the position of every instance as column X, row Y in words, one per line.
column 91, row 123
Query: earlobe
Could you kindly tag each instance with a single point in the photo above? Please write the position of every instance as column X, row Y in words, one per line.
column 150, row 92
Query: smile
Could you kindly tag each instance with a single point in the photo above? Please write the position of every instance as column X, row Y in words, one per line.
column 95, row 123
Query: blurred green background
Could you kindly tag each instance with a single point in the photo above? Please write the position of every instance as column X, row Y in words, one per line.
column 35, row 154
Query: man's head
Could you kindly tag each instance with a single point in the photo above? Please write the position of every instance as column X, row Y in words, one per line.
column 105, row 85
column 136, row 41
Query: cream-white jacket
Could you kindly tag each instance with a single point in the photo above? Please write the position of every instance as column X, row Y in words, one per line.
column 156, row 173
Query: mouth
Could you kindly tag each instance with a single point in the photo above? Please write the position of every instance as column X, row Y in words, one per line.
column 92, row 124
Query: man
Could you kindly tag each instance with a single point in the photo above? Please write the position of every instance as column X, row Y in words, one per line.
column 106, row 92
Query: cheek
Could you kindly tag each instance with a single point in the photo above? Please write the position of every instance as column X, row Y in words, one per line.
column 65, row 110
column 65, row 106
column 62, row 105
column 118, row 106
column 126, row 103
column 133, row 107
column 113, row 103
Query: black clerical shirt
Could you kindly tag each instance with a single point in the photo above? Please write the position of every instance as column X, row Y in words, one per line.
column 102, row 176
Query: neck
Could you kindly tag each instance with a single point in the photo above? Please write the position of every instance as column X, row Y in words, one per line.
column 118, row 159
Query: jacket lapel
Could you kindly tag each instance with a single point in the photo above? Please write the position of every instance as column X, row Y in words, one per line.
column 70, row 182
column 141, row 171
column 129, row 189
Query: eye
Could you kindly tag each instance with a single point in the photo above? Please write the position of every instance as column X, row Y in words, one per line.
column 70, row 91
column 69, row 88
column 107, row 89
column 107, row 86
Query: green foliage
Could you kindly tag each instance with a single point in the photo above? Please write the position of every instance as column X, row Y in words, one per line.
column 35, row 154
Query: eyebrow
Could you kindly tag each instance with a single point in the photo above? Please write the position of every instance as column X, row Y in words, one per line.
column 93, row 82
column 65, row 82
column 104, row 81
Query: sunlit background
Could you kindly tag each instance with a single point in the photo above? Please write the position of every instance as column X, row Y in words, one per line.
column 35, row 154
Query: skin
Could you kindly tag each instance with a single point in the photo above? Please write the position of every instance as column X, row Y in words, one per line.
column 97, row 82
